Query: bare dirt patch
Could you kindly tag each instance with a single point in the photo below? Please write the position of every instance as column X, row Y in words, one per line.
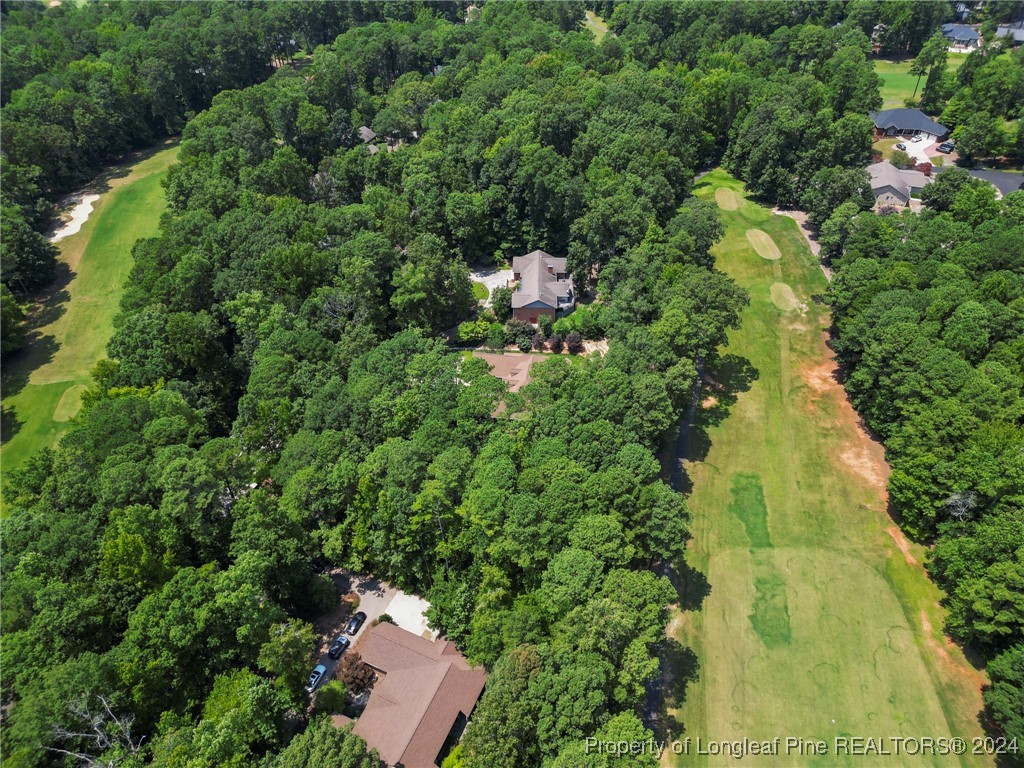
column 903, row 544
column 784, row 298
column 762, row 242
column 726, row 199
column 944, row 653
column 708, row 402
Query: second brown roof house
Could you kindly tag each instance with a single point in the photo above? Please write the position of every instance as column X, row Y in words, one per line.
column 425, row 695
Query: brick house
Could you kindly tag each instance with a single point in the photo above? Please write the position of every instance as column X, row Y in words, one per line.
column 544, row 287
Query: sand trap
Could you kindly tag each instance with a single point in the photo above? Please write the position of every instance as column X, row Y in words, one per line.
column 70, row 403
column 726, row 199
column 783, row 297
column 763, row 244
column 79, row 215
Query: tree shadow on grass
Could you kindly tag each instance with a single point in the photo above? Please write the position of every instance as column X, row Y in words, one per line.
column 690, row 584
column 721, row 387
column 10, row 424
column 683, row 669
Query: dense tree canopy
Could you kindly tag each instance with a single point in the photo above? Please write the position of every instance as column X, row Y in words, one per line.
column 930, row 321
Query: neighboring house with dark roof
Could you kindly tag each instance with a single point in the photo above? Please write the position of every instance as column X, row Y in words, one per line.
column 906, row 122
column 894, row 186
column 961, row 35
column 545, row 288
column 422, row 699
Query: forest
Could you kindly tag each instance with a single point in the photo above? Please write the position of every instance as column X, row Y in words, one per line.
column 277, row 398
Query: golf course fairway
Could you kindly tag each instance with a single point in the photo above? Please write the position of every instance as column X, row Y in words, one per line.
column 809, row 614
column 70, row 326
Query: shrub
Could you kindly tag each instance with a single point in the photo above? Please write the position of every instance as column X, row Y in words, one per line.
column 587, row 320
column 900, row 159
column 518, row 331
column 555, row 343
column 525, row 345
column 384, row 618
column 574, row 343
column 330, row 698
column 496, row 336
column 501, row 301
column 354, row 673
column 538, row 340
column 472, row 331
column 544, row 323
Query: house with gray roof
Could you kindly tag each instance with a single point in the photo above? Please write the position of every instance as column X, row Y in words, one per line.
column 961, row 35
column 906, row 122
column 1015, row 32
column 544, row 289
column 895, row 186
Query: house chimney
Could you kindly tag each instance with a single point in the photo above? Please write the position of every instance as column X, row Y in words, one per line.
column 925, row 168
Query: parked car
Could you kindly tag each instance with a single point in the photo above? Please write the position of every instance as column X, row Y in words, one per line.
column 901, row 146
column 338, row 647
column 355, row 623
column 915, row 139
column 315, row 677
column 946, row 146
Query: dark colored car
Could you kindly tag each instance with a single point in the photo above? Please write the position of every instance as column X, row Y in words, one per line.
column 946, row 146
column 338, row 647
column 355, row 623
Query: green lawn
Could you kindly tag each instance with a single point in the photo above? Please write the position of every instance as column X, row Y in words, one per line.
column 596, row 25
column 43, row 385
column 897, row 82
column 807, row 618
column 480, row 292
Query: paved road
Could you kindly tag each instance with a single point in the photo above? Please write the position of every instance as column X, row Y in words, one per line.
column 1005, row 181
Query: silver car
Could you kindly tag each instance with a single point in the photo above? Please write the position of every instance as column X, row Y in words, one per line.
column 315, row 677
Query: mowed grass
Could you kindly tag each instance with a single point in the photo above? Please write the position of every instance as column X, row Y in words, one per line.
column 816, row 624
column 480, row 292
column 596, row 25
column 43, row 385
column 897, row 82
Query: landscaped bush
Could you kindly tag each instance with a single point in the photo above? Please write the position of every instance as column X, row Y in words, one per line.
column 555, row 343
column 501, row 301
column 496, row 338
column 587, row 320
column 519, row 331
column 574, row 342
column 545, row 323
column 538, row 341
column 472, row 331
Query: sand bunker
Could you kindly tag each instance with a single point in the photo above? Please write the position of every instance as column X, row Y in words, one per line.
column 79, row 215
column 70, row 403
column 783, row 297
column 726, row 199
column 764, row 245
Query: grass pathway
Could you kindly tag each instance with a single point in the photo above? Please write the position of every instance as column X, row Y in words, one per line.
column 72, row 324
column 810, row 614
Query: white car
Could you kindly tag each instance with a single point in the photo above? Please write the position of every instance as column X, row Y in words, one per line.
column 917, row 138
column 315, row 677
column 901, row 146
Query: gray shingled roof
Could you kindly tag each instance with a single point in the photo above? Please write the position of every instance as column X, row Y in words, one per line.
column 960, row 32
column 1015, row 31
column 885, row 174
column 906, row 120
column 366, row 134
column 536, row 282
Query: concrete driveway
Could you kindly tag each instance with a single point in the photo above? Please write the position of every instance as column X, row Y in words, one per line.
column 916, row 149
column 492, row 278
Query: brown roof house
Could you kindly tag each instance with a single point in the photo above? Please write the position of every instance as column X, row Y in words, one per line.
column 422, row 699
column 894, row 186
column 545, row 288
